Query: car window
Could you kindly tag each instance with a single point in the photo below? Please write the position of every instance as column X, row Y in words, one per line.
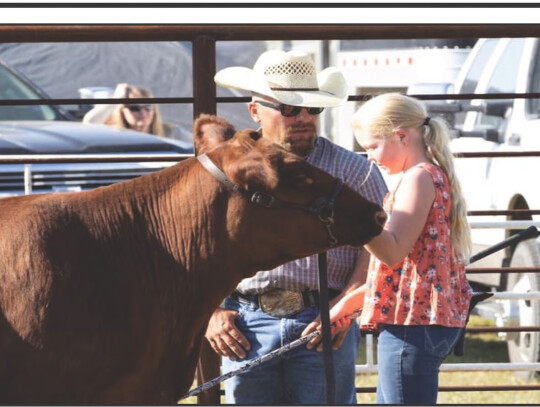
column 477, row 67
column 11, row 88
column 533, row 105
column 504, row 77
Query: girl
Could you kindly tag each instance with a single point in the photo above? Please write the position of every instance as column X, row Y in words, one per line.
column 416, row 293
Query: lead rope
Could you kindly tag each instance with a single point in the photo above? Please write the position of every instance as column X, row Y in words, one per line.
column 260, row 360
column 368, row 173
column 326, row 332
column 325, row 319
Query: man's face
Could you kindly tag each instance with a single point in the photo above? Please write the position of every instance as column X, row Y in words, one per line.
column 296, row 134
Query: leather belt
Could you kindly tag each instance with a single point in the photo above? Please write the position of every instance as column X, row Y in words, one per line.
column 282, row 303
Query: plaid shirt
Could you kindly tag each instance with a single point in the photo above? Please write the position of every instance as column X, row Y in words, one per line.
column 302, row 274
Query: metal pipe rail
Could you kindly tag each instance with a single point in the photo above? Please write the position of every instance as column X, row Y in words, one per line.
column 88, row 158
column 66, row 158
column 495, row 329
column 244, row 99
column 259, row 32
column 507, row 224
column 508, row 295
column 525, row 387
column 491, row 270
column 466, row 367
column 508, row 212
column 467, row 388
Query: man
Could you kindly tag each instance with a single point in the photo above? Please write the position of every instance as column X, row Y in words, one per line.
column 277, row 306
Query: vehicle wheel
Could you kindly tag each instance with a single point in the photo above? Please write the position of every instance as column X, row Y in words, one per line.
column 524, row 347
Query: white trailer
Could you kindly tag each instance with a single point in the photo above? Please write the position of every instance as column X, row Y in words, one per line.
column 372, row 72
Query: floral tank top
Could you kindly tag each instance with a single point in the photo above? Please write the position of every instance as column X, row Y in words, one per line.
column 429, row 286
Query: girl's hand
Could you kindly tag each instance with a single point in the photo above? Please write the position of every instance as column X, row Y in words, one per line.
column 344, row 308
column 338, row 335
column 349, row 305
column 339, row 311
column 343, row 323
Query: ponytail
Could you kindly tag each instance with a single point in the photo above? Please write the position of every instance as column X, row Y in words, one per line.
column 437, row 138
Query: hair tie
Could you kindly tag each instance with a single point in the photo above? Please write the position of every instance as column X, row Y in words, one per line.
column 426, row 121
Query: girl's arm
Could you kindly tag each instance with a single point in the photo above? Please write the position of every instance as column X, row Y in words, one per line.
column 413, row 200
column 341, row 312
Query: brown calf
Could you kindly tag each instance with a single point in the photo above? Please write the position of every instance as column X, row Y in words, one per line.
column 105, row 295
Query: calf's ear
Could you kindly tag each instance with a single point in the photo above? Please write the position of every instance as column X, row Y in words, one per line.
column 210, row 131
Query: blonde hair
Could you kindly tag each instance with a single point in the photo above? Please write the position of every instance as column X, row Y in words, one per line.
column 117, row 117
column 386, row 113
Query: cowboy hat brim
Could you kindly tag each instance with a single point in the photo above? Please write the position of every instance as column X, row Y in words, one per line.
column 332, row 90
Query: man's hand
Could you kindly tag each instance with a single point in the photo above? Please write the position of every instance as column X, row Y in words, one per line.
column 224, row 336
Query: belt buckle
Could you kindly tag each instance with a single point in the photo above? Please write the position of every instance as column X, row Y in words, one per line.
column 281, row 303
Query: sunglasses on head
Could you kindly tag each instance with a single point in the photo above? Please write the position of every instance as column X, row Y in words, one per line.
column 291, row 111
column 138, row 108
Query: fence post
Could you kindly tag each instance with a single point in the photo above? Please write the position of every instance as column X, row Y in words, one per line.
column 204, row 101
column 204, row 69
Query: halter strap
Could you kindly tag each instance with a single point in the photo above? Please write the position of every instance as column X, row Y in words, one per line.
column 322, row 207
column 216, row 172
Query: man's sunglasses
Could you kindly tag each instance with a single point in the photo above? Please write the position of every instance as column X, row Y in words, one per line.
column 138, row 108
column 291, row 111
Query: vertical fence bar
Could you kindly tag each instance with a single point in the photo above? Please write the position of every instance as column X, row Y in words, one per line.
column 370, row 359
column 204, row 101
column 27, row 179
column 204, row 69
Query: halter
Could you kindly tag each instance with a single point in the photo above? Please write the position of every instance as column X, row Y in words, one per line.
column 322, row 207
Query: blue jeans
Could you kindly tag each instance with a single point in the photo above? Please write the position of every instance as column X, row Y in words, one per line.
column 296, row 377
column 409, row 357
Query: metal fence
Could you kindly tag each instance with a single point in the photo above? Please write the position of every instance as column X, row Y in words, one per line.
column 204, row 100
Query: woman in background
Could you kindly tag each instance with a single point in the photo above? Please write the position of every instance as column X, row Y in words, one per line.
column 145, row 118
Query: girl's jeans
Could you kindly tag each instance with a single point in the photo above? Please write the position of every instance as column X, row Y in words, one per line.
column 297, row 376
column 409, row 357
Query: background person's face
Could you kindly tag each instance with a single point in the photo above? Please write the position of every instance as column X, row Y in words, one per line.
column 139, row 118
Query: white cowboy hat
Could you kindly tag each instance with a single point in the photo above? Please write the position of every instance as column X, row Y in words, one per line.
column 289, row 77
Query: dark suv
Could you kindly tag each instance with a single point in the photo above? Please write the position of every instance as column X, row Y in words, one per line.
column 42, row 129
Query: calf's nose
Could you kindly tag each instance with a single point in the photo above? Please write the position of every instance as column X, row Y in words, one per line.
column 380, row 217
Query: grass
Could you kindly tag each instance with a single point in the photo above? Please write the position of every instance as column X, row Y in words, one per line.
column 479, row 348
